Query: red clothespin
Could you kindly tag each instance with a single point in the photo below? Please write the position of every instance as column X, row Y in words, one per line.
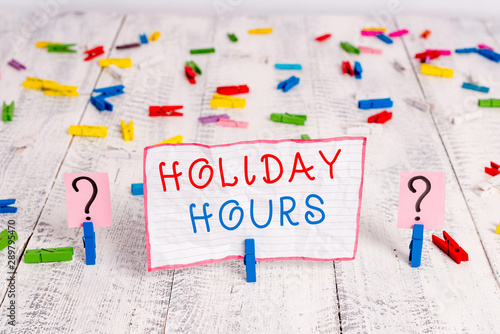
column 346, row 68
column 232, row 90
column 323, row 37
column 431, row 54
column 380, row 118
column 95, row 52
column 190, row 74
column 165, row 111
column 493, row 170
column 450, row 247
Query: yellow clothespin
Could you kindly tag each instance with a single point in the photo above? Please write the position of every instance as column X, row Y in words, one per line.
column 35, row 83
column 128, row 130
column 226, row 101
column 123, row 62
column 154, row 36
column 50, row 87
column 88, row 131
column 44, row 44
column 437, row 71
column 61, row 90
column 375, row 29
column 174, row 140
column 260, row 31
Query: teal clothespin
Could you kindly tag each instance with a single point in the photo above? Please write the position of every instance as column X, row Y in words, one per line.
column 193, row 65
column 60, row 48
column 4, row 238
column 289, row 118
column 232, row 37
column 8, row 112
column 48, row 255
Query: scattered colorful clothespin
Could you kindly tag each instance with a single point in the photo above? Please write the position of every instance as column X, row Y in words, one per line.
column 398, row 33
column 231, row 123
column 212, row 119
column 127, row 130
column 150, row 62
column 466, row 50
column 8, row 112
column 128, row 46
column 260, row 31
column 323, row 37
column 88, row 131
column 226, row 101
column 305, row 137
column 249, row 260
column 470, row 116
column 494, row 170
column 5, row 205
column 154, row 36
column 17, row 65
column 232, row 90
column 89, row 243
column 5, row 236
column 374, row 29
column 347, row 69
column 48, row 255
column 174, row 140
column 371, row 32
column 380, row 118
column 50, row 87
column 137, row 189
column 477, row 88
column 95, row 52
column 200, row 51
column 436, row 71
column 288, row 66
column 416, row 245
column 190, row 74
column 232, row 37
column 384, row 38
column 450, row 247
column 349, row 48
column 165, row 111
column 357, row 70
column 44, row 44
column 193, row 66
column 64, row 48
column 289, row 118
column 375, row 103
column 289, row 83
column 425, row 34
column 110, row 91
column 100, row 101
column 491, row 55
column 432, row 54
column 498, row 229
column 143, row 38
column 123, row 62
column 489, row 103
column 365, row 49
column 441, row 52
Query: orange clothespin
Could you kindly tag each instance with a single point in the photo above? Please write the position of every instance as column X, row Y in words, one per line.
column 450, row 247
column 165, row 111
column 493, row 170
column 425, row 34
column 95, row 52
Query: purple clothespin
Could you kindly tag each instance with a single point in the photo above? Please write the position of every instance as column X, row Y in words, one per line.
column 18, row 66
column 212, row 119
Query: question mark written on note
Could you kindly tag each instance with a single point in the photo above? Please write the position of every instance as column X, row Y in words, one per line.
column 88, row 199
column 414, row 187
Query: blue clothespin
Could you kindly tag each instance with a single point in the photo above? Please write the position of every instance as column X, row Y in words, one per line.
column 5, row 208
column 249, row 260
column 384, row 38
column 466, row 50
column 100, row 103
column 491, row 55
column 89, row 242
column 357, row 70
column 289, row 83
column 416, row 245
column 144, row 39
column 375, row 103
column 477, row 88
column 110, row 91
column 137, row 189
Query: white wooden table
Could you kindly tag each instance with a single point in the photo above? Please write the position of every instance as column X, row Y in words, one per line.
column 378, row 292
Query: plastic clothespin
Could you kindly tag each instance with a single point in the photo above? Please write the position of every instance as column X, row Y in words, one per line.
column 491, row 55
column 115, row 72
column 375, row 103
column 436, row 71
column 289, row 118
column 371, row 32
column 44, row 44
column 8, row 112
column 201, row 51
column 137, row 189
column 487, row 187
column 304, row 137
column 232, row 124
column 498, row 229
column 89, row 243
column 143, row 38
column 127, row 130
column 384, row 38
column 477, row 88
column 349, row 48
column 174, row 140
column 48, row 255
column 154, row 36
column 193, row 66
column 60, row 48
column 5, row 206
column 432, row 54
column 226, row 101
column 110, row 91
column 5, row 236
column 123, row 62
column 450, row 247
column 232, row 90
column 494, row 170
column 288, row 66
column 425, row 34
column 289, row 83
column 380, row 118
column 466, row 50
column 93, row 53
column 212, row 119
column 364, row 49
column 128, row 46
column 249, row 260
column 484, row 46
column 441, row 52
column 375, row 29
column 323, row 37
column 489, row 103
column 165, row 111
column 357, row 70
column 100, row 103
column 17, row 65
column 398, row 33
column 232, row 37
column 347, row 69
column 190, row 74
column 416, row 245
column 260, row 31
column 88, row 131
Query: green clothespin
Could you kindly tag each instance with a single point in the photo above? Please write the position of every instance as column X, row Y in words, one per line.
column 489, row 103
column 349, row 48
column 193, row 65
column 304, row 137
column 48, row 255
column 60, row 48
column 198, row 51
column 232, row 37
column 8, row 112
column 4, row 238
column 289, row 118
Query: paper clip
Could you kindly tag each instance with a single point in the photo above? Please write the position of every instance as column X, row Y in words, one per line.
column 233, row 90
column 357, row 70
column 494, row 170
column 384, row 38
column 143, row 38
column 249, row 260
column 123, row 62
column 349, row 48
column 323, row 37
column 260, row 31
column 174, row 140
column 226, row 101
column 48, row 255
column 375, row 103
column 425, row 34
column 128, row 46
column 5, row 237
column 398, row 33
column 65, row 48
column 88, row 131
column 230, row 123
column 89, row 243
column 17, row 65
column 190, row 74
column 232, row 37
column 489, row 103
column 137, row 189
column 95, row 52
column 416, row 245
column 5, row 206
column 44, row 44
column 289, row 83
column 127, row 130
column 477, row 88
column 380, row 118
column 288, row 66
column 436, row 71
column 8, row 112
column 347, row 69
column 193, row 66
column 154, row 36
column 201, row 51
column 364, row 49
column 371, row 32
column 212, row 119
column 289, row 118
column 165, row 111
column 450, row 247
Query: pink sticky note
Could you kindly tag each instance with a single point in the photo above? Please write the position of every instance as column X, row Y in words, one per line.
column 77, row 202
column 421, row 207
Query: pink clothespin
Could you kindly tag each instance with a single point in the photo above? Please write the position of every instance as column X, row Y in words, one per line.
column 365, row 49
column 398, row 33
column 484, row 46
column 231, row 123
column 371, row 32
